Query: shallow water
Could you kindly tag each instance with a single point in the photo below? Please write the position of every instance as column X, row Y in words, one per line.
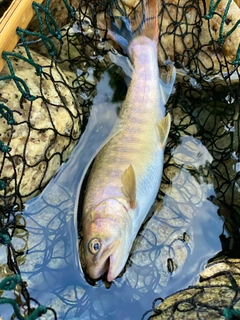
column 169, row 253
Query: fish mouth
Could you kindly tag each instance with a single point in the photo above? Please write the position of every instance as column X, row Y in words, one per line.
column 108, row 266
column 98, row 274
column 112, row 273
column 98, row 269
column 107, row 272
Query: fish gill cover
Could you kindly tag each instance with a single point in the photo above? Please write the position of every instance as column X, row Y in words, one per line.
column 49, row 84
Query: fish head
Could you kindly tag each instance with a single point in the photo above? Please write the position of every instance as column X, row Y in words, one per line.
column 106, row 239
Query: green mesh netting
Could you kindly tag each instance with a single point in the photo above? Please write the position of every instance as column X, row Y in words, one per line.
column 59, row 71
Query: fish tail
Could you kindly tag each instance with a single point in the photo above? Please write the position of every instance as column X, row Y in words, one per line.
column 142, row 21
column 149, row 26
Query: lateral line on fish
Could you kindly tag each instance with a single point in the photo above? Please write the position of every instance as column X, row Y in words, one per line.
column 131, row 129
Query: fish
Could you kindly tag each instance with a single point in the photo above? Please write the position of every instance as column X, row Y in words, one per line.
column 126, row 174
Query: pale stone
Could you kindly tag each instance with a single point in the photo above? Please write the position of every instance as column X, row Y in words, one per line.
column 46, row 130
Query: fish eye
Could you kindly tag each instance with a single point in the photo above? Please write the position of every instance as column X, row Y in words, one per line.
column 94, row 246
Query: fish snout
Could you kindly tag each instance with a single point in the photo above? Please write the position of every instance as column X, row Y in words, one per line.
column 115, row 268
column 98, row 264
column 117, row 262
column 96, row 271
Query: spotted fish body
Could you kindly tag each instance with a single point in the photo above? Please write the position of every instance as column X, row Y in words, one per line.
column 126, row 174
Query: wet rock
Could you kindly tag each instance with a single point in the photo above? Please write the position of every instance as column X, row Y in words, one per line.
column 191, row 39
column 215, row 296
column 57, row 9
column 45, row 130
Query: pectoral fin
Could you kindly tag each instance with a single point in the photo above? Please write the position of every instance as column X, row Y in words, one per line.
column 163, row 129
column 129, row 186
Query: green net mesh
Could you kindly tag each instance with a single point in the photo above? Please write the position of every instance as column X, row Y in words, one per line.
column 48, row 86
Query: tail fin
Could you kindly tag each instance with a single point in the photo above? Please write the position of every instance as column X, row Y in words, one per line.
column 149, row 26
column 143, row 18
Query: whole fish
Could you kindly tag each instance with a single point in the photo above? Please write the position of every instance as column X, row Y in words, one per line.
column 126, row 173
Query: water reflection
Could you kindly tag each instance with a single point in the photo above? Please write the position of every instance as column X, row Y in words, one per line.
column 168, row 253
